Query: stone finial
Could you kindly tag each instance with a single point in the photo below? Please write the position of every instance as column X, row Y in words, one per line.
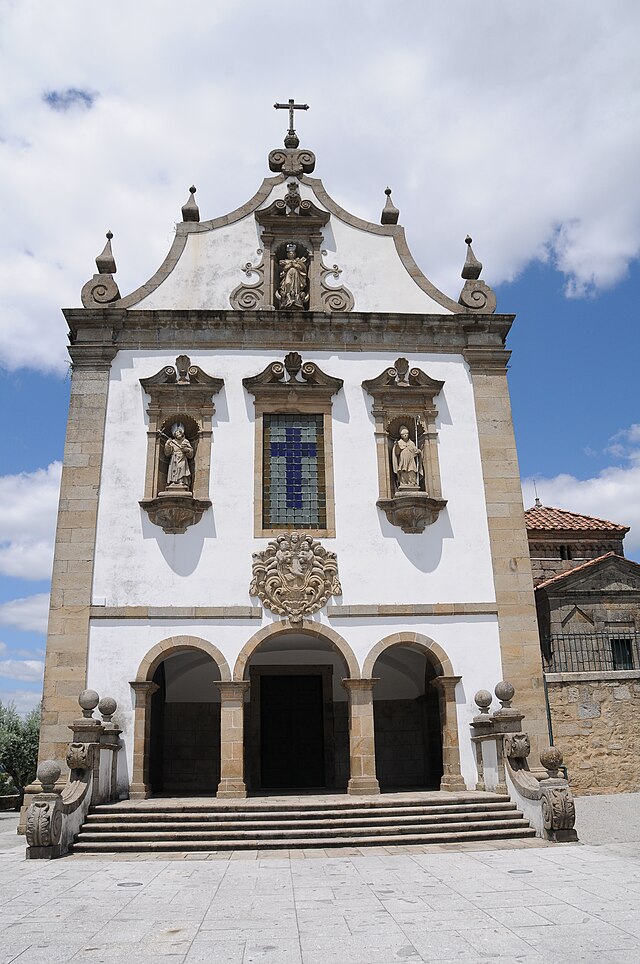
column 551, row 759
column 105, row 262
column 505, row 692
column 390, row 212
column 483, row 700
column 102, row 289
column 475, row 295
column 190, row 210
column 48, row 773
column 472, row 267
column 88, row 701
column 107, row 707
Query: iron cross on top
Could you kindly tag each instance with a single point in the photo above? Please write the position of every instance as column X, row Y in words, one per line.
column 291, row 106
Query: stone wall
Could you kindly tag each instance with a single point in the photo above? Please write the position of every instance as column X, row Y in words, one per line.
column 596, row 722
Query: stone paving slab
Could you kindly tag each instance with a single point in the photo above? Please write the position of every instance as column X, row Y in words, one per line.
column 524, row 902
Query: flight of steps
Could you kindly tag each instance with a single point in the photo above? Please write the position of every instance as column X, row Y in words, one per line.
column 160, row 827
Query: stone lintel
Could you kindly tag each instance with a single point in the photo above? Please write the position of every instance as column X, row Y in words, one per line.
column 167, row 330
column 176, row 612
column 593, row 676
column 412, row 609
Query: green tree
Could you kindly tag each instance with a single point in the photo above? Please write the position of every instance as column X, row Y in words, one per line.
column 19, row 745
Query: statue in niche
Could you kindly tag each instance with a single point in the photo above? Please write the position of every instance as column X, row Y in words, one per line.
column 407, row 461
column 179, row 450
column 292, row 291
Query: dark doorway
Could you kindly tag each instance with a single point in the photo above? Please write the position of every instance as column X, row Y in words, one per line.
column 292, row 746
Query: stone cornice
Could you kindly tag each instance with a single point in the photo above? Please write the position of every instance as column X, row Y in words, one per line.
column 482, row 336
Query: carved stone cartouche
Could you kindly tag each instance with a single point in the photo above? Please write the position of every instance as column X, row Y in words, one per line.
column 295, row 576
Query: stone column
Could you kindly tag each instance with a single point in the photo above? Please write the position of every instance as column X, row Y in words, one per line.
column 65, row 669
column 232, row 739
column 362, row 740
column 451, row 776
column 517, row 623
column 144, row 690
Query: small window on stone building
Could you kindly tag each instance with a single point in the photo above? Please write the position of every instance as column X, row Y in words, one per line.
column 621, row 653
column 294, row 493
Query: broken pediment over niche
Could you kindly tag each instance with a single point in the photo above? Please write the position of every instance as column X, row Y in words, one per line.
column 405, row 428
column 292, row 274
column 293, row 379
column 609, row 574
column 180, row 411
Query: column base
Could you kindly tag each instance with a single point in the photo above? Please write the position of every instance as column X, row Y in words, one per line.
column 362, row 785
column 139, row 791
column 231, row 789
column 451, row 784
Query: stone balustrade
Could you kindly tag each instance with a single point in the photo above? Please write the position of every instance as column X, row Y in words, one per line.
column 502, row 749
column 55, row 815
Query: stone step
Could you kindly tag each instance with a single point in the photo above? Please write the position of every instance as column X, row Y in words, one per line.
column 107, row 824
column 291, row 834
column 439, row 801
column 139, row 814
column 285, row 843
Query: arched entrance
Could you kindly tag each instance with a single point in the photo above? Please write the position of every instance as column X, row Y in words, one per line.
column 177, row 719
column 297, row 711
column 406, row 713
column 414, row 708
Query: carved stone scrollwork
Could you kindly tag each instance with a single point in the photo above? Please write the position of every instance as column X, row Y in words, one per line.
column 250, row 295
column 517, row 746
column 295, row 576
column 475, row 295
column 79, row 756
column 296, row 162
column 558, row 809
column 102, row 289
column 334, row 298
column 44, row 821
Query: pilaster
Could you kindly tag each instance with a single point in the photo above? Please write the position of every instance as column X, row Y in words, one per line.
column 232, row 783
column 362, row 741
column 451, row 775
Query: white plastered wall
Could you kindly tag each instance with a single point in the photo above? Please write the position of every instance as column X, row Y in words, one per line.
column 211, row 264
column 137, row 564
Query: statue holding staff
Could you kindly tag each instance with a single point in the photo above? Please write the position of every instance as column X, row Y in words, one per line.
column 179, row 450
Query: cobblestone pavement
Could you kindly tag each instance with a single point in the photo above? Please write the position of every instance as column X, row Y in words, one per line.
column 566, row 903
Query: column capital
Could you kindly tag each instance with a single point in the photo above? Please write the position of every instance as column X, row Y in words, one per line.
column 232, row 689
column 360, row 684
column 143, row 688
column 446, row 684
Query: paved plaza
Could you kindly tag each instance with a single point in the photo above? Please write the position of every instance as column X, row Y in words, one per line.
column 521, row 903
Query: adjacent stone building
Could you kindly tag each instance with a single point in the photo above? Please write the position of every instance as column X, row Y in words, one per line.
column 588, row 605
column 290, row 541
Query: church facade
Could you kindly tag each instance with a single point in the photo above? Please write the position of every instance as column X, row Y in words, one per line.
column 291, row 541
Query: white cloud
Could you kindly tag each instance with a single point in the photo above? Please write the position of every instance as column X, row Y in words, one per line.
column 516, row 122
column 28, row 508
column 610, row 494
column 24, row 700
column 29, row 614
column 23, row 670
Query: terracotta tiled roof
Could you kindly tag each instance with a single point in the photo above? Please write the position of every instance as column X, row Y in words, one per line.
column 546, row 517
column 580, row 568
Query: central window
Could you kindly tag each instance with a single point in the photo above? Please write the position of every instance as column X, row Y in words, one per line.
column 294, row 494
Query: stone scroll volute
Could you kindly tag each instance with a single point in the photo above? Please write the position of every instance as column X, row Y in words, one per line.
column 180, row 411
column 407, row 445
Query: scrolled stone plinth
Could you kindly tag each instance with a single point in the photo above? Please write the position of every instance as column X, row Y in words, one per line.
column 175, row 511
column 411, row 509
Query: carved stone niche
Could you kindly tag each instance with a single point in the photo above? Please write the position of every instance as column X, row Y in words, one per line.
column 292, row 257
column 180, row 397
column 404, row 398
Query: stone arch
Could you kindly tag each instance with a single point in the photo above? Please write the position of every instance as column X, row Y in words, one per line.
column 178, row 644
column 434, row 652
column 308, row 627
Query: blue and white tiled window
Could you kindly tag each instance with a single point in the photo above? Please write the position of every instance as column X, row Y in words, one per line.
column 294, row 478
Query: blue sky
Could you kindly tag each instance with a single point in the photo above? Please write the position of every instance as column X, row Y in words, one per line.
column 515, row 123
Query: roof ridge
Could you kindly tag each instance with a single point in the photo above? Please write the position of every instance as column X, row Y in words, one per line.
column 552, row 517
column 583, row 565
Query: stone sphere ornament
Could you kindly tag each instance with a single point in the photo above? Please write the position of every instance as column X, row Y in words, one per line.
column 483, row 699
column 88, row 701
column 551, row 759
column 107, row 707
column 505, row 692
column 48, row 773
